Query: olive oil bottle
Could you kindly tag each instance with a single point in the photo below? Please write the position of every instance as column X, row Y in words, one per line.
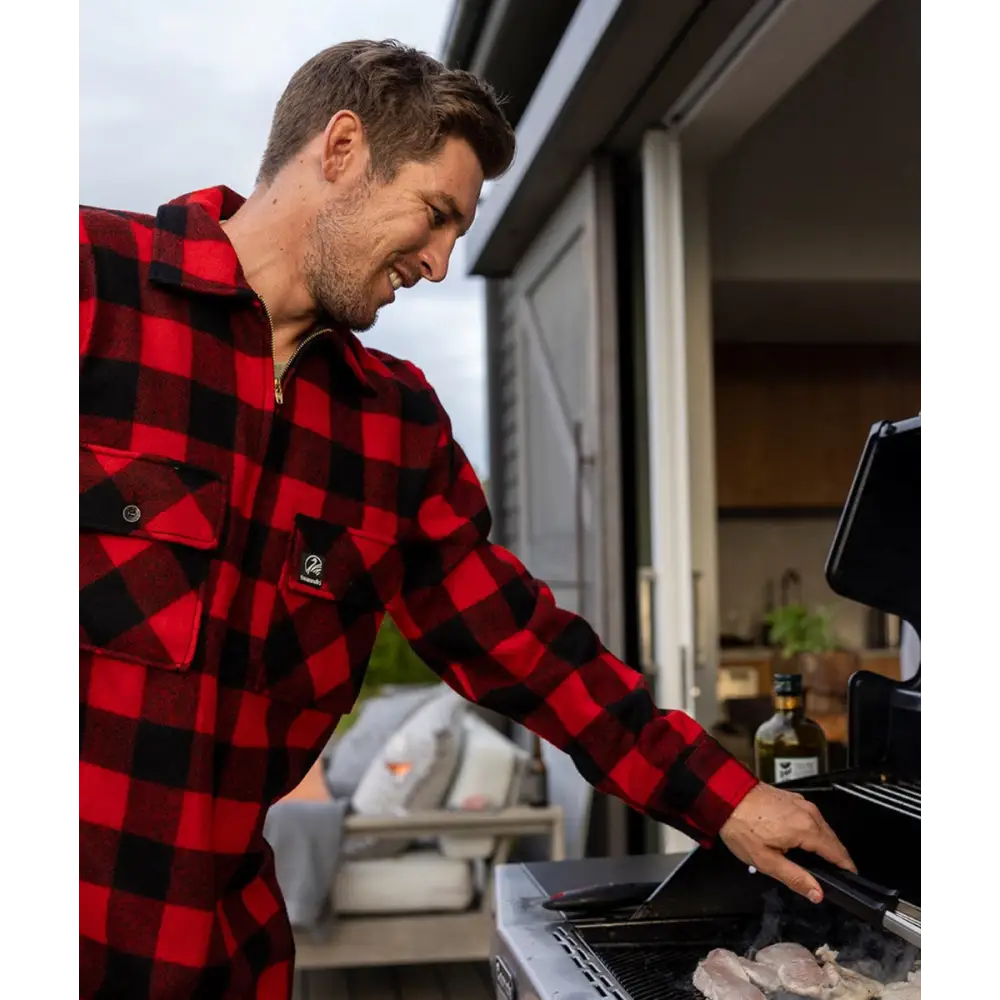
column 788, row 745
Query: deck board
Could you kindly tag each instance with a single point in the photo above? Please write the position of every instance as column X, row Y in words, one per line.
column 463, row 981
column 452, row 981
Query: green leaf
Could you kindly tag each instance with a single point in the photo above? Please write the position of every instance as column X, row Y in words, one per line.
column 393, row 660
column 795, row 629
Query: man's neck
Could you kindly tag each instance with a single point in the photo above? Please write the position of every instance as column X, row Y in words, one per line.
column 267, row 233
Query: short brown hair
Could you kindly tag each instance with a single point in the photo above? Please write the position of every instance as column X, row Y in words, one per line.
column 408, row 104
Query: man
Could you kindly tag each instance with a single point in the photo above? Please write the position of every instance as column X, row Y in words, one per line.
column 257, row 489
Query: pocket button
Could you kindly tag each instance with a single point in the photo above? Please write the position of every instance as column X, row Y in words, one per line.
column 131, row 513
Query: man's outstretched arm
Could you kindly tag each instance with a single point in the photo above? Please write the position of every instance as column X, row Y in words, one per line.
column 495, row 635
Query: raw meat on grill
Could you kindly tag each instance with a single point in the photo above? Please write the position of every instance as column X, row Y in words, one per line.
column 788, row 968
column 797, row 969
column 846, row 984
column 760, row 975
column 910, row 990
column 722, row 976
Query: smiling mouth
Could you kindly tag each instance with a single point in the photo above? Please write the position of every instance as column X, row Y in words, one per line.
column 395, row 279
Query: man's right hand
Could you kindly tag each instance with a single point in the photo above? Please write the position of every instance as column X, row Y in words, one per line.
column 768, row 822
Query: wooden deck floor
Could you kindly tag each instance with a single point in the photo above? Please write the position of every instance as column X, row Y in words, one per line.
column 455, row 981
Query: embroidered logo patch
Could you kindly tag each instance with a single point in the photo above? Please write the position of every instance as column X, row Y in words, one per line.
column 311, row 569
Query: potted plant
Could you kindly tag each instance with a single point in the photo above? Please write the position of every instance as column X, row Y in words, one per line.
column 804, row 643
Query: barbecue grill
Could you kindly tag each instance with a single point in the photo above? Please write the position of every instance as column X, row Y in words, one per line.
column 603, row 950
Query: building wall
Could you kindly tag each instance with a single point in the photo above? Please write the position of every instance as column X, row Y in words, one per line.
column 753, row 551
column 504, row 379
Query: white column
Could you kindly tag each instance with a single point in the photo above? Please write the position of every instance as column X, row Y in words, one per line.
column 701, row 440
column 669, row 457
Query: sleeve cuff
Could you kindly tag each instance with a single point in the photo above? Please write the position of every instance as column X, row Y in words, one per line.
column 725, row 783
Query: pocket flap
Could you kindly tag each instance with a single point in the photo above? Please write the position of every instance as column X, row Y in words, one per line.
column 333, row 561
column 122, row 493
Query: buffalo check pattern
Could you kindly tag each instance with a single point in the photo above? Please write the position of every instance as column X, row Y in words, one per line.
column 236, row 560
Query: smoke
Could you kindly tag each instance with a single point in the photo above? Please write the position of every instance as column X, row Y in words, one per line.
column 884, row 957
column 877, row 955
column 771, row 922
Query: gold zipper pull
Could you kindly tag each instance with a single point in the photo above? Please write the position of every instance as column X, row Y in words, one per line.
column 278, row 396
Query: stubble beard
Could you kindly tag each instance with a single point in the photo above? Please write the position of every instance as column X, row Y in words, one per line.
column 341, row 289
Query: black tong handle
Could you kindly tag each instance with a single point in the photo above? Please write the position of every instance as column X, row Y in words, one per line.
column 599, row 898
column 857, row 895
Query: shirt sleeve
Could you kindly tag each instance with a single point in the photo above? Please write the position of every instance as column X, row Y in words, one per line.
column 88, row 287
column 494, row 634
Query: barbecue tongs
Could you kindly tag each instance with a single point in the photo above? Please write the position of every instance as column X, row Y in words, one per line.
column 875, row 904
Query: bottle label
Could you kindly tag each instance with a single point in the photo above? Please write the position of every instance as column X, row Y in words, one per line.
column 790, row 768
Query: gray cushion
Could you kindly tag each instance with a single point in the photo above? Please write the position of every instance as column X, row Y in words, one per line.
column 430, row 743
column 378, row 719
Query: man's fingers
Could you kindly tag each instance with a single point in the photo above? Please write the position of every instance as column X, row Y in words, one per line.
column 826, row 844
column 775, row 864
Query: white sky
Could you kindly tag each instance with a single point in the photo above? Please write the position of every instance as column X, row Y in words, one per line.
column 176, row 97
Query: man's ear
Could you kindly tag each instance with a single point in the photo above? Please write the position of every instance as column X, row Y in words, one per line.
column 345, row 148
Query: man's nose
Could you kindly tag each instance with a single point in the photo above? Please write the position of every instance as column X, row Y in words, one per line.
column 434, row 260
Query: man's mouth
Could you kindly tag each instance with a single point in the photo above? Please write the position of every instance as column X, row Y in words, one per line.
column 401, row 276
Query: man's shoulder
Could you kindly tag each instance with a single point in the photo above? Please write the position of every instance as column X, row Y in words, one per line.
column 418, row 399
column 400, row 370
column 118, row 230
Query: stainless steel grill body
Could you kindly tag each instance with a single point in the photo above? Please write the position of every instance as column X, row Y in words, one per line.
column 541, row 955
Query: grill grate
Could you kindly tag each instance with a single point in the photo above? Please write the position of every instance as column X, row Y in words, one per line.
column 661, row 969
column 655, row 960
column 900, row 796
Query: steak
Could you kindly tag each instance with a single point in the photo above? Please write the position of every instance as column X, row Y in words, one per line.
column 721, row 976
column 797, row 969
column 790, row 969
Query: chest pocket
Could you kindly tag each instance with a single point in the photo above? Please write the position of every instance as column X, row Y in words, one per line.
column 334, row 589
column 148, row 531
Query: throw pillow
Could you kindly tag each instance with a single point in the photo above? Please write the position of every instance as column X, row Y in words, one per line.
column 379, row 718
column 412, row 771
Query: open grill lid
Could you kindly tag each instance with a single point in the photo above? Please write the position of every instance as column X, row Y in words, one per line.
column 875, row 556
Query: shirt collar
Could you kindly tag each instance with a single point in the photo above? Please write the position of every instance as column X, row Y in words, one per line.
column 192, row 252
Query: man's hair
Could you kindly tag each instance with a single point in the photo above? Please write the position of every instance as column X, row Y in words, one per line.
column 408, row 104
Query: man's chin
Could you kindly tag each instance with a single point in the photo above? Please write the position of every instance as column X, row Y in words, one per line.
column 363, row 325
column 357, row 322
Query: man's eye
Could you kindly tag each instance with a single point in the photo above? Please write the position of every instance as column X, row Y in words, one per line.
column 438, row 217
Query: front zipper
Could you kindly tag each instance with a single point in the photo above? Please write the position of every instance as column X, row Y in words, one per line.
column 279, row 396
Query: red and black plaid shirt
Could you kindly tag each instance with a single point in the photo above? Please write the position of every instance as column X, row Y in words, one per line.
column 236, row 559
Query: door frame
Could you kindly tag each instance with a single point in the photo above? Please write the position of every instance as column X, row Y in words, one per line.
column 775, row 46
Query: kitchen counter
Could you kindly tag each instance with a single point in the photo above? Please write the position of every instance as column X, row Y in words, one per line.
column 748, row 672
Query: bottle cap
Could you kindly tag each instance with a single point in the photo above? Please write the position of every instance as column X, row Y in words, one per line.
column 788, row 685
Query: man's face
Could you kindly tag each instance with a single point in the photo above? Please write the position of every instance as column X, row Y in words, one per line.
column 372, row 239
